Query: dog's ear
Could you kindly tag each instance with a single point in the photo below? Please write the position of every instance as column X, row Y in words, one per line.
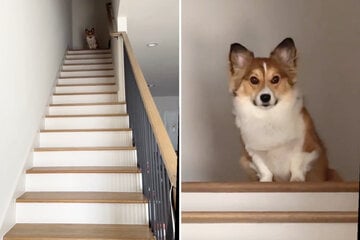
column 86, row 30
column 285, row 53
column 239, row 59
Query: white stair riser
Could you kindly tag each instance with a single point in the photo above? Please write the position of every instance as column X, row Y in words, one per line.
column 269, row 201
column 85, row 158
column 278, row 231
column 86, row 213
column 89, row 55
column 79, row 182
column 91, row 109
column 86, row 89
column 87, row 67
column 93, row 98
column 87, row 61
column 88, row 51
column 86, row 139
column 86, row 122
column 86, row 73
column 89, row 80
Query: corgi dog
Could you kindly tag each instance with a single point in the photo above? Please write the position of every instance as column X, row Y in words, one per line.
column 90, row 38
column 278, row 135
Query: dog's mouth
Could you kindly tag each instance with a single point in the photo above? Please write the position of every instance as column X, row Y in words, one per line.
column 266, row 105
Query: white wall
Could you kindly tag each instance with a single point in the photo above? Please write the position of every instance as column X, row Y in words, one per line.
column 34, row 37
column 327, row 36
column 88, row 14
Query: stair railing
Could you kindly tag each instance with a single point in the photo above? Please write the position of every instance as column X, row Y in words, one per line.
column 156, row 155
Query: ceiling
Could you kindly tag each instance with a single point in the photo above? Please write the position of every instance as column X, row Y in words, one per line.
column 154, row 21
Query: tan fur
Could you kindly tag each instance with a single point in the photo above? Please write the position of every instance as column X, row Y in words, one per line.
column 313, row 142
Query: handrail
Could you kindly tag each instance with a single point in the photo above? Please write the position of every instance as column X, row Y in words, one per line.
column 156, row 156
column 162, row 138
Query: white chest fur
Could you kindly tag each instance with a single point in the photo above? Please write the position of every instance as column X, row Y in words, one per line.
column 273, row 137
column 91, row 40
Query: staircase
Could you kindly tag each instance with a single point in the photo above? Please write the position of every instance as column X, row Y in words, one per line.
column 276, row 211
column 84, row 183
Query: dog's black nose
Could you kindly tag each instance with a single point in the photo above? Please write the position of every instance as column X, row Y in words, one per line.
column 265, row 98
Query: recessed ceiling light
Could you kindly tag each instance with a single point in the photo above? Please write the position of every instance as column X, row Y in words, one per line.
column 152, row 44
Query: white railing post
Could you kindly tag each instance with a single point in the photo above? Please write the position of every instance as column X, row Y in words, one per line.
column 118, row 61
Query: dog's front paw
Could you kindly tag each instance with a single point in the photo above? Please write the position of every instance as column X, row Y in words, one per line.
column 266, row 178
column 297, row 178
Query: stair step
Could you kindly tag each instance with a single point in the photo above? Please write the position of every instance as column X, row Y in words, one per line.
column 87, row 51
column 84, row 73
column 269, row 217
column 82, row 207
column 82, row 67
column 88, row 56
column 270, row 196
column 62, row 89
column 102, row 67
column 279, row 226
column 82, row 149
column 88, row 115
column 88, row 76
column 85, row 139
column 87, row 121
column 81, row 197
column 79, row 232
column 83, row 179
column 85, row 98
column 89, row 109
column 87, row 61
column 92, row 169
column 85, row 85
column 86, row 80
column 232, row 187
column 86, row 130
column 85, row 104
column 85, row 157
column 83, row 93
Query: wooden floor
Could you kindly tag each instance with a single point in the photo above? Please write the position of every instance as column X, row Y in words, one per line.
column 78, row 231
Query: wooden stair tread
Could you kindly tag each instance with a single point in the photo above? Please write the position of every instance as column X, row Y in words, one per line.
column 45, row 170
column 92, row 58
column 79, row 232
column 87, row 70
column 85, row 85
column 89, row 115
column 269, row 217
column 84, row 64
column 53, row 149
column 270, row 187
column 82, row 197
column 87, row 130
column 83, row 93
column 85, row 104
column 103, row 76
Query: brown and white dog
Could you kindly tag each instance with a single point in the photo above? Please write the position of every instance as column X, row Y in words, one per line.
column 90, row 38
column 279, row 139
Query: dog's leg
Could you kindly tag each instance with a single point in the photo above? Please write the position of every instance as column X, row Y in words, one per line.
column 300, row 165
column 249, row 168
column 264, row 173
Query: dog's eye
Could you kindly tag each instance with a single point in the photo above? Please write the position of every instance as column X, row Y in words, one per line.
column 254, row 80
column 275, row 80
